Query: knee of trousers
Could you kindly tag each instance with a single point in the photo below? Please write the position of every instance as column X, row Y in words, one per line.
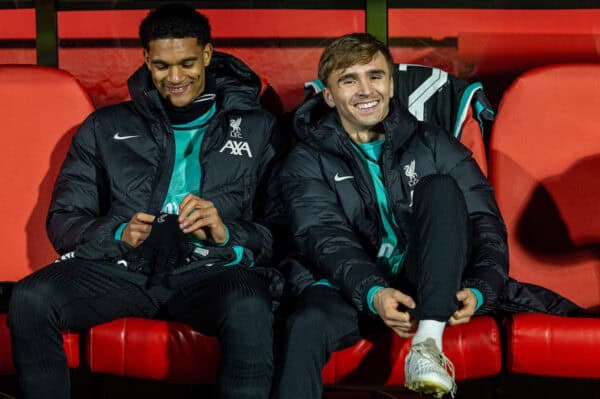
column 308, row 327
column 30, row 306
column 438, row 189
column 248, row 315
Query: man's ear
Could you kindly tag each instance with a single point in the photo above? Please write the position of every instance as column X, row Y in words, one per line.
column 147, row 58
column 328, row 97
column 391, row 86
column 207, row 52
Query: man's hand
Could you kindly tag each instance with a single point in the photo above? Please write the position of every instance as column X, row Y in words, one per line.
column 386, row 302
column 137, row 229
column 468, row 302
column 200, row 217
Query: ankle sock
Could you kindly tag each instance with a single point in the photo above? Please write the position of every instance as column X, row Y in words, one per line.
column 430, row 329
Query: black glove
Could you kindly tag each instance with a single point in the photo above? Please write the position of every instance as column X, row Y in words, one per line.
column 166, row 248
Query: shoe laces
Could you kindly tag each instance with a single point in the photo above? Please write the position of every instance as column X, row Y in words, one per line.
column 429, row 350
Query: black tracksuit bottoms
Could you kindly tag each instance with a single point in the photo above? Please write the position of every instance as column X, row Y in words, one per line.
column 322, row 321
column 234, row 305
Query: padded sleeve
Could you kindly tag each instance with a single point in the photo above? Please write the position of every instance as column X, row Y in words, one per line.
column 80, row 195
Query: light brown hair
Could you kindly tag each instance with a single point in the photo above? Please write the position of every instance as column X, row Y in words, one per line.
column 351, row 49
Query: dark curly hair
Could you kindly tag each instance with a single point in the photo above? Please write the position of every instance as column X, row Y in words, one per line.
column 174, row 21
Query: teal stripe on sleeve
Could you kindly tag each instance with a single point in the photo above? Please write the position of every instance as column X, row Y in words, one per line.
column 326, row 283
column 479, row 297
column 226, row 238
column 119, row 232
column 371, row 296
column 239, row 253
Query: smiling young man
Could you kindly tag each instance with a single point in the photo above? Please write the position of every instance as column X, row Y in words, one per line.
column 393, row 224
column 152, row 192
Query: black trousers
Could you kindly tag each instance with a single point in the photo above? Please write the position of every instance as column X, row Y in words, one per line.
column 234, row 305
column 323, row 322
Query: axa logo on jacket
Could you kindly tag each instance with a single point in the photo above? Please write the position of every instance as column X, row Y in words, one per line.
column 236, row 147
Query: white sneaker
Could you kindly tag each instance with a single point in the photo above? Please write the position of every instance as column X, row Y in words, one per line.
column 427, row 370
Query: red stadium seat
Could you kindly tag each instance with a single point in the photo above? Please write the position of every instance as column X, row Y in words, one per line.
column 152, row 349
column 169, row 351
column 544, row 163
column 41, row 108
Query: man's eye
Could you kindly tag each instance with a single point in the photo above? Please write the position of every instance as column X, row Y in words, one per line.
column 188, row 65
column 161, row 67
column 347, row 81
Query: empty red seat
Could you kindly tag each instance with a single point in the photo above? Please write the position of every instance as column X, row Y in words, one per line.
column 41, row 109
column 544, row 164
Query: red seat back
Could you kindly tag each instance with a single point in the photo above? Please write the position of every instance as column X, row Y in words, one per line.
column 41, row 108
column 545, row 167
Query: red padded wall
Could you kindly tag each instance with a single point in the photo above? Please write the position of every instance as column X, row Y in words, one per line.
column 17, row 25
column 103, row 71
column 494, row 41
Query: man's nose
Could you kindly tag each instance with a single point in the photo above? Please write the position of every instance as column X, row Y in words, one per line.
column 175, row 74
column 364, row 87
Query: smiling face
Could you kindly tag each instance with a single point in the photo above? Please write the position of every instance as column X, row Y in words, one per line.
column 178, row 68
column 361, row 94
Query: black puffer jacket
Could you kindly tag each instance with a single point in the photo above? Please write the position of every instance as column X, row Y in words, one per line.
column 121, row 160
column 335, row 222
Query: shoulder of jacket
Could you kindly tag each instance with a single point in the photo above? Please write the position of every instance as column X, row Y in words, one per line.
column 300, row 156
column 109, row 111
column 102, row 118
column 430, row 133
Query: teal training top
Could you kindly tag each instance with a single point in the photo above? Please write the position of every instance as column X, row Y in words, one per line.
column 187, row 172
column 390, row 258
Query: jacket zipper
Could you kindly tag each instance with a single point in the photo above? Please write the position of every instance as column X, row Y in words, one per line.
column 361, row 167
column 207, row 143
column 166, row 144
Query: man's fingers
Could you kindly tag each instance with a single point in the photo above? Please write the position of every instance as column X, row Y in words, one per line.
column 199, row 223
column 143, row 218
column 453, row 321
column 191, row 203
column 141, row 227
column 404, row 299
column 199, row 218
column 403, row 333
column 462, row 295
column 185, row 209
column 405, row 325
column 392, row 315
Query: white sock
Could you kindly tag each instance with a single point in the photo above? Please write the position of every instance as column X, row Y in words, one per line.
column 430, row 329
